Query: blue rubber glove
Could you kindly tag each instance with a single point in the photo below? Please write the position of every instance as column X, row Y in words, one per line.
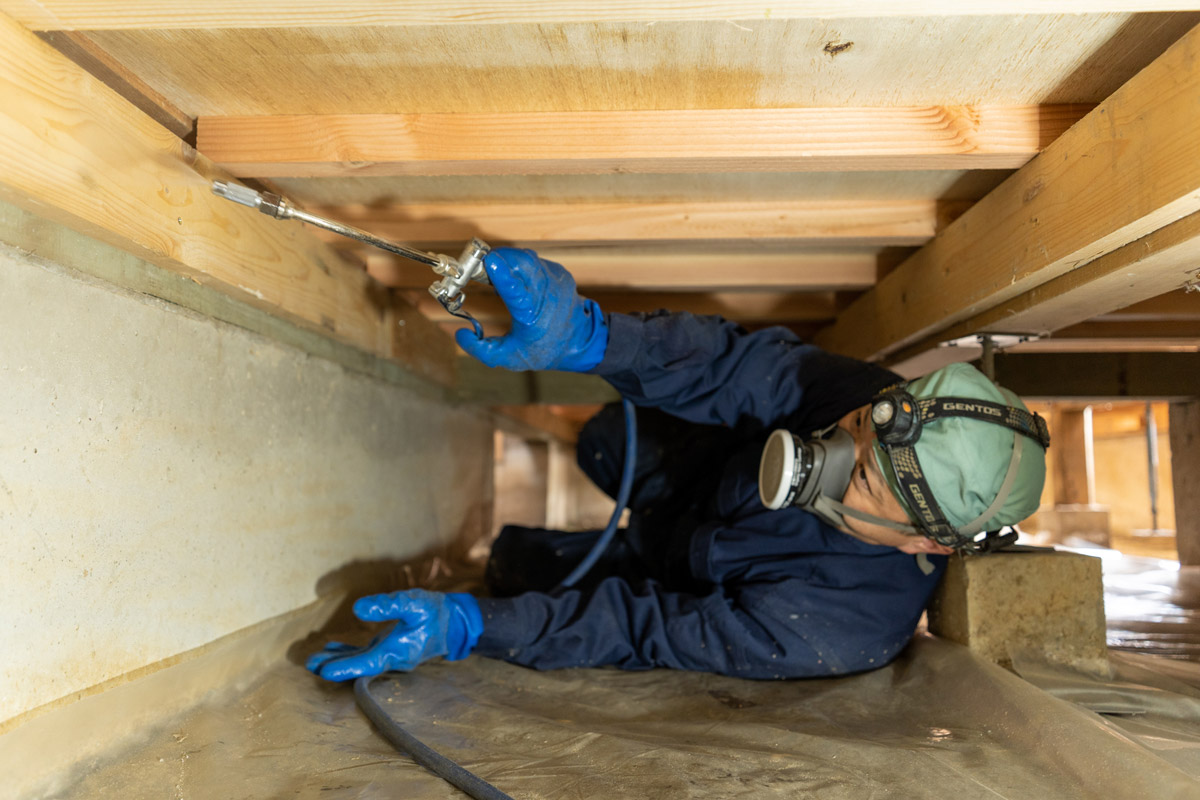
column 430, row 624
column 552, row 326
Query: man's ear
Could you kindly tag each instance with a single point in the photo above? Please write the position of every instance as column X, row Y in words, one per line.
column 919, row 544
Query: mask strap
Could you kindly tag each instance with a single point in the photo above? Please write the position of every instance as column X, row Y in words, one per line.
column 825, row 505
column 822, row 433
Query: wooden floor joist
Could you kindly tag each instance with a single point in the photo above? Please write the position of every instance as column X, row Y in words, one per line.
column 1137, row 275
column 901, row 222
column 1144, row 376
column 1177, row 306
column 1168, row 330
column 74, row 151
column 744, row 307
column 734, row 140
column 641, row 271
column 1126, row 170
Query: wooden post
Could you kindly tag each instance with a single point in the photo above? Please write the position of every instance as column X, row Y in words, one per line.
column 1184, row 420
column 1073, row 514
column 1069, row 457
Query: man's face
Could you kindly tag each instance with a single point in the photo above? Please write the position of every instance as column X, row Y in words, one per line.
column 868, row 492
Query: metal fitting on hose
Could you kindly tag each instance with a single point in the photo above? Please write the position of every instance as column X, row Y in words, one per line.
column 469, row 267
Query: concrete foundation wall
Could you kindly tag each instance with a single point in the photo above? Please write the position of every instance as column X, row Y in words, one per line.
column 167, row 479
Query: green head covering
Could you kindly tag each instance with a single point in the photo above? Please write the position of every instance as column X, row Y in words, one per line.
column 965, row 460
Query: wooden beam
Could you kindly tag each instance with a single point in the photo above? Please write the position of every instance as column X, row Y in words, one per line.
column 644, row 271
column 86, row 14
column 1143, row 376
column 589, row 142
column 1180, row 305
column 1125, row 170
column 805, row 330
column 744, row 307
column 74, row 151
column 1117, row 344
column 1117, row 328
column 904, row 222
column 1148, row 271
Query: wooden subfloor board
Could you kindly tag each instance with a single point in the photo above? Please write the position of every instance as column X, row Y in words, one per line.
column 84, row 14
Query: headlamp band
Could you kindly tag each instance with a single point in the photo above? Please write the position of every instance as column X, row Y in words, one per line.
column 1017, row 419
column 914, row 487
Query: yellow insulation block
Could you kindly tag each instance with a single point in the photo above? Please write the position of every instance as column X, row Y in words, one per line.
column 1048, row 605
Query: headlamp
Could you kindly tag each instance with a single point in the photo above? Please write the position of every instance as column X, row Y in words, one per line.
column 894, row 415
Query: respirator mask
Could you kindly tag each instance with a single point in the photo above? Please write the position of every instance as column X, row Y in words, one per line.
column 813, row 474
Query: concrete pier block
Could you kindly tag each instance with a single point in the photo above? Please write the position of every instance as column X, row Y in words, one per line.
column 1045, row 604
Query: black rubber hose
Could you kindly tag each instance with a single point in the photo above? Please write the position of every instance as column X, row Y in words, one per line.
column 427, row 757
column 623, row 492
column 424, row 755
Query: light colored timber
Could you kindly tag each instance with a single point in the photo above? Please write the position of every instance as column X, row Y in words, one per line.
column 83, row 51
column 74, row 151
column 499, row 327
column 1124, row 171
column 1118, row 344
column 1179, row 305
column 675, row 187
column 1136, row 282
column 82, row 14
column 856, row 223
column 589, row 66
column 641, row 271
column 1144, row 330
column 745, row 307
column 735, row 140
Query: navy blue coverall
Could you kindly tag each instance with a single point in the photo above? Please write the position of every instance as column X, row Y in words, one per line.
column 705, row 577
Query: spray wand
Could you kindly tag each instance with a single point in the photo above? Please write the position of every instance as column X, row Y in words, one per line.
column 457, row 272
